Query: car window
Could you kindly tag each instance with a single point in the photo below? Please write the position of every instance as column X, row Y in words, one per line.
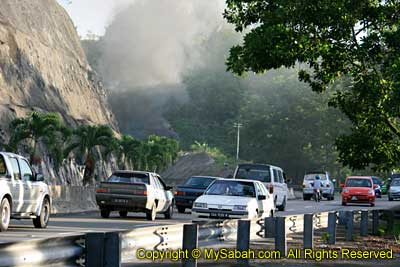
column 133, row 178
column 311, row 176
column 231, row 188
column 157, row 183
column 26, row 171
column 376, row 180
column 15, row 168
column 395, row 182
column 280, row 176
column 276, row 177
column 254, row 174
column 3, row 167
column 161, row 183
column 355, row 182
column 198, row 182
column 258, row 189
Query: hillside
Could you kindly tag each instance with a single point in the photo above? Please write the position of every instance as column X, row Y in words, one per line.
column 43, row 66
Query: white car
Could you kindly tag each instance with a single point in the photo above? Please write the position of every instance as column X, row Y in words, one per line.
column 394, row 190
column 273, row 178
column 23, row 194
column 227, row 198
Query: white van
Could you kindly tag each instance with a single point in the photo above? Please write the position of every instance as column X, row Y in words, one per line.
column 273, row 177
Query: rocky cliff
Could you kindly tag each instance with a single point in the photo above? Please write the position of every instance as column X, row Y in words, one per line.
column 43, row 66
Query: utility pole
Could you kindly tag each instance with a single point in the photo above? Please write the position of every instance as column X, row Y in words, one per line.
column 238, row 126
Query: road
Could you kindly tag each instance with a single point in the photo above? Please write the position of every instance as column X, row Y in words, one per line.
column 92, row 222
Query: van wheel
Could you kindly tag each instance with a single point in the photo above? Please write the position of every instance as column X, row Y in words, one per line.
column 105, row 213
column 42, row 220
column 282, row 207
column 5, row 214
column 151, row 214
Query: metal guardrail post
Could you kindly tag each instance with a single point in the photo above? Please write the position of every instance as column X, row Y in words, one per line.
column 349, row 225
column 375, row 222
column 364, row 223
column 332, row 228
column 190, row 242
column 94, row 245
column 280, row 238
column 308, row 231
column 269, row 227
column 243, row 239
column 112, row 249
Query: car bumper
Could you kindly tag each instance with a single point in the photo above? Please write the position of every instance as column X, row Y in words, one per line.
column 394, row 195
column 324, row 191
column 186, row 202
column 121, row 202
column 358, row 199
column 219, row 214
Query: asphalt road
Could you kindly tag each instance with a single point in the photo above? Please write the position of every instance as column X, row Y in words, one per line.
column 92, row 222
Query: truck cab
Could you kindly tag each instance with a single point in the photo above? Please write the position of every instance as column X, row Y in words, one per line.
column 23, row 193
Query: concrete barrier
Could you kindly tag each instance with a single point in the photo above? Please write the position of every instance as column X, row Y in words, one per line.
column 71, row 199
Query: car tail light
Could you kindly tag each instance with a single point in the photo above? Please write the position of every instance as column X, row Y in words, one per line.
column 141, row 192
column 101, row 190
column 179, row 193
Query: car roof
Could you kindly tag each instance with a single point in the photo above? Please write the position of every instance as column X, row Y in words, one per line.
column 360, row 177
column 202, row 176
column 257, row 165
column 238, row 180
column 316, row 172
column 9, row 154
column 132, row 171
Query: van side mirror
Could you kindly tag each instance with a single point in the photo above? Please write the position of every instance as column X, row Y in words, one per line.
column 271, row 189
column 168, row 188
column 39, row 177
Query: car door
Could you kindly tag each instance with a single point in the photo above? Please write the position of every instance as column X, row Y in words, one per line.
column 161, row 197
column 17, row 188
column 268, row 203
column 31, row 188
column 260, row 203
column 277, row 188
column 167, row 193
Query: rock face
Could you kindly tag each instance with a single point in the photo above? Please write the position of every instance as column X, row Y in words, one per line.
column 43, row 66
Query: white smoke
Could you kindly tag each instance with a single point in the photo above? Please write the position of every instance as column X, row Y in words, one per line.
column 153, row 42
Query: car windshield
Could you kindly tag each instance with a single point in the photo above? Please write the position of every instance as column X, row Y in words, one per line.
column 199, row 182
column 395, row 182
column 231, row 188
column 356, row 182
column 254, row 174
column 132, row 178
column 376, row 180
column 311, row 176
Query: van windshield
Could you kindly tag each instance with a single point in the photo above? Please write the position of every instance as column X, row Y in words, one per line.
column 253, row 174
column 312, row 176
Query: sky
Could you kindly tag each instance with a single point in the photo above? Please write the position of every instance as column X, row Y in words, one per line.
column 92, row 15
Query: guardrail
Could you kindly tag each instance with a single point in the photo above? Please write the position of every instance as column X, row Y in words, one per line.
column 111, row 249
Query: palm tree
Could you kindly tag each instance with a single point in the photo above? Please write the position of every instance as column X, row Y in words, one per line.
column 36, row 127
column 86, row 138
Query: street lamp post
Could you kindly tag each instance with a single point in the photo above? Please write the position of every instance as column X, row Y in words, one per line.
column 238, row 126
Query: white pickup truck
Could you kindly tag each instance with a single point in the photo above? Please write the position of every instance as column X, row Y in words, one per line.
column 23, row 194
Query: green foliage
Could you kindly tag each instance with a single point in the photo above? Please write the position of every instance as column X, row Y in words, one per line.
column 325, row 238
column 36, row 127
column 214, row 152
column 354, row 42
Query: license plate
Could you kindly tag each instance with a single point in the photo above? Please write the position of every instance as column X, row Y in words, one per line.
column 354, row 198
column 219, row 215
column 119, row 200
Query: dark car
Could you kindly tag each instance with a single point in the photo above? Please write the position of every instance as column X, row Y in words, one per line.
column 187, row 193
column 378, row 186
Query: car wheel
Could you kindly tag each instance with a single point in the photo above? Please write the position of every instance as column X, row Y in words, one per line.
column 344, row 203
column 282, row 207
column 5, row 214
column 151, row 214
column 123, row 214
column 170, row 212
column 42, row 220
column 181, row 209
column 105, row 213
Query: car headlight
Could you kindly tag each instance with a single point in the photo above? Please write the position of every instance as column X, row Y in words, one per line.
column 371, row 192
column 345, row 190
column 240, row 207
column 200, row 205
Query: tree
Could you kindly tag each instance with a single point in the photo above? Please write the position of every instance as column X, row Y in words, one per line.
column 35, row 127
column 351, row 40
column 85, row 139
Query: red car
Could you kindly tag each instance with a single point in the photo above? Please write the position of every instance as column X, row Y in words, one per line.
column 358, row 189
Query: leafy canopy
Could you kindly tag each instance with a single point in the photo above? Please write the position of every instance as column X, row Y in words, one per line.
column 354, row 42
